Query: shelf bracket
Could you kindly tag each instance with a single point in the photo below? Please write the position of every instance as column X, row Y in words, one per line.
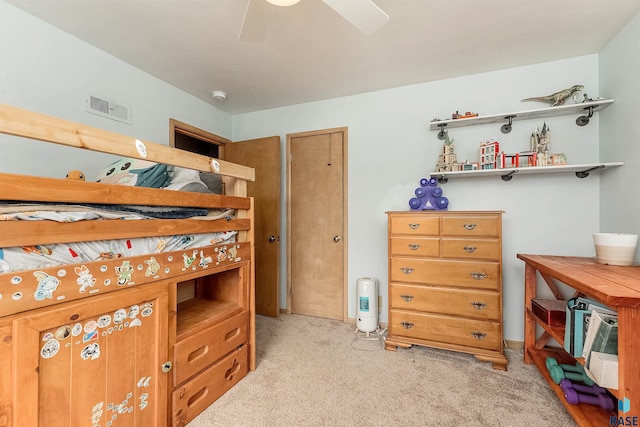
column 509, row 176
column 584, row 120
column 442, row 132
column 443, row 179
column 585, row 173
column 507, row 127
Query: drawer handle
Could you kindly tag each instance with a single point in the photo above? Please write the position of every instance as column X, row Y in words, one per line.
column 414, row 226
column 478, row 335
column 413, row 247
column 407, row 298
column 231, row 334
column 406, row 270
column 407, row 325
column 197, row 396
column 478, row 276
column 232, row 370
column 195, row 354
column 470, row 249
column 469, row 226
column 478, row 305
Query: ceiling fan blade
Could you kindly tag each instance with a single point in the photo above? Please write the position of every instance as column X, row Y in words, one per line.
column 363, row 14
column 256, row 21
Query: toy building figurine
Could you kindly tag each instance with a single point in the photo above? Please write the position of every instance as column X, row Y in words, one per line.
column 428, row 196
column 540, row 144
column 489, row 151
column 447, row 160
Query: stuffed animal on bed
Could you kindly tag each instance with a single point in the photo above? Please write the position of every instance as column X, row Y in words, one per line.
column 75, row 175
column 141, row 173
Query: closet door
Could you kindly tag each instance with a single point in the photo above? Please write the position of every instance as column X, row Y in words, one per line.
column 94, row 362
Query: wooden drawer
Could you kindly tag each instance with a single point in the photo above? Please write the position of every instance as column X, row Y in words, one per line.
column 446, row 329
column 471, row 248
column 456, row 302
column 201, row 349
column 414, row 224
column 471, row 225
column 196, row 395
column 415, row 246
column 469, row 274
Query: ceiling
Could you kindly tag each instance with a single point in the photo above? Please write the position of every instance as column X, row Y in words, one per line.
column 311, row 53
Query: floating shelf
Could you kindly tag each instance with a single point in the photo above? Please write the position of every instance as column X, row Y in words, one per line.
column 581, row 171
column 561, row 110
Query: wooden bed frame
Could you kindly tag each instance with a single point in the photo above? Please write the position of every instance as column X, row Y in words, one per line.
column 154, row 350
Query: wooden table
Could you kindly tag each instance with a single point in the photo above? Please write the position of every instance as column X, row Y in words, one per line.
column 615, row 286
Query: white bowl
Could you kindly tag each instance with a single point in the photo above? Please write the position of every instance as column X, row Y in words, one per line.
column 615, row 248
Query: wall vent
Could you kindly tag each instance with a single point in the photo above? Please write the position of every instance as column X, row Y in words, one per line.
column 108, row 108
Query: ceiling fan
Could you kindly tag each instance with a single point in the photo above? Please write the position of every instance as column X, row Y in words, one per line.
column 363, row 14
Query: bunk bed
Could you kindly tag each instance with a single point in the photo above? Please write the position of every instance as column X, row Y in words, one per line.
column 147, row 330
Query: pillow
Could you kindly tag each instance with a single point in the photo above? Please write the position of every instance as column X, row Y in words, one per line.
column 213, row 181
column 141, row 173
column 183, row 179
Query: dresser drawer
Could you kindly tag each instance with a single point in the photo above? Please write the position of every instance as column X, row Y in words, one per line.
column 414, row 224
column 456, row 302
column 196, row 395
column 446, row 329
column 470, row 248
column 471, row 225
column 201, row 349
column 469, row 274
column 415, row 246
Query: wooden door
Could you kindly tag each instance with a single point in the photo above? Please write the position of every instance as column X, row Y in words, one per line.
column 316, row 223
column 263, row 155
column 86, row 362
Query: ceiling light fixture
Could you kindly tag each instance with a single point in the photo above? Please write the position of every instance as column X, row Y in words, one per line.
column 219, row 95
column 283, row 2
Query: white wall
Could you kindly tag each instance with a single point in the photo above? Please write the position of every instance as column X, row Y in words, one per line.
column 391, row 148
column 48, row 71
column 620, row 132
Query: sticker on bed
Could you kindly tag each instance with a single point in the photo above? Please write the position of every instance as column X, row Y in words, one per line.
column 47, row 285
column 85, row 278
column 152, row 267
column 189, row 260
column 204, row 260
column 124, row 272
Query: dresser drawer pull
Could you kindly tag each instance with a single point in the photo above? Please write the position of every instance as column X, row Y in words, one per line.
column 478, row 276
column 469, row 226
column 414, row 247
column 407, row 298
column 406, row 270
column 478, row 305
column 479, row 335
column 407, row 325
column 469, row 249
column 414, row 226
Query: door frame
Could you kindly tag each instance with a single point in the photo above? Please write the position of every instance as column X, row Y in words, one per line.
column 345, row 214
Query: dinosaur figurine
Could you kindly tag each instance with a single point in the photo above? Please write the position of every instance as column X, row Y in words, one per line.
column 557, row 98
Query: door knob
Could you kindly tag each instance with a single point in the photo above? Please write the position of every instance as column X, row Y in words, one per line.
column 272, row 239
column 336, row 238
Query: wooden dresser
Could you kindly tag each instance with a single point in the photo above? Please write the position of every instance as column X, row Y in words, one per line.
column 445, row 282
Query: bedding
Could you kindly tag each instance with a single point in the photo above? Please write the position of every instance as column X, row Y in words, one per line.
column 51, row 255
column 62, row 212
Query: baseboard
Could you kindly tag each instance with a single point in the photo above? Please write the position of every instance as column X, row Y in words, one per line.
column 516, row 345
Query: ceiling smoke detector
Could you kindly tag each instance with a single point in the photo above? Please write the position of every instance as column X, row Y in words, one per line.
column 219, row 95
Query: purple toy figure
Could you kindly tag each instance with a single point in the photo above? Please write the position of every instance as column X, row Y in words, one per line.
column 428, row 196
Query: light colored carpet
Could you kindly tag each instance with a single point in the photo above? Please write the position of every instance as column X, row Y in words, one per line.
column 317, row 372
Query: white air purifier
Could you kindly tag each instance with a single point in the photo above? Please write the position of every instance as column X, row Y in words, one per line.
column 367, row 301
